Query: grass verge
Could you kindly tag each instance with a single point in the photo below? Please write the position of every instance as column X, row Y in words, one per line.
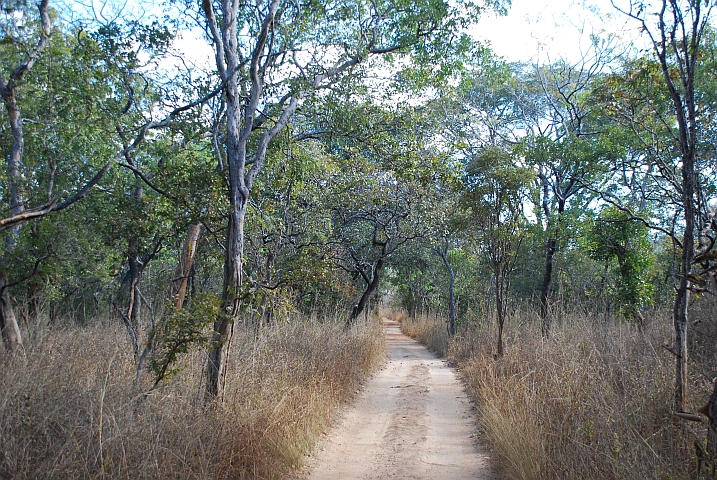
column 591, row 402
column 69, row 409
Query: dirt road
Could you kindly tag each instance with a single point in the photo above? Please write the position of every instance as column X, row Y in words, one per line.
column 411, row 421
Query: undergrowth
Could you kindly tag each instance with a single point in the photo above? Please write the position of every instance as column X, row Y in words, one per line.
column 591, row 402
column 69, row 408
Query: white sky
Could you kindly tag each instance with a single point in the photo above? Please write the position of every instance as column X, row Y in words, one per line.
column 534, row 29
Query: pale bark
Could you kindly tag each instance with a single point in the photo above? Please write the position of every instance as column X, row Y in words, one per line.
column 177, row 291
column 253, row 59
column 10, row 329
column 8, row 323
column 224, row 324
column 186, row 260
column 8, row 89
column 241, row 112
column 134, row 301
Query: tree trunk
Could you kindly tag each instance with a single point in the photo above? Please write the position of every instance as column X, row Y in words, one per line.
column 370, row 288
column 451, row 287
column 181, row 274
column 550, row 249
column 224, row 324
column 241, row 112
column 500, row 307
column 451, row 304
column 8, row 323
column 10, row 329
column 500, row 339
column 33, row 300
column 133, row 319
column 234, row 252
column 682, row 297
column 133, row 316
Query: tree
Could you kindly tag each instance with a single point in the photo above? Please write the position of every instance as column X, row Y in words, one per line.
column 272, row 55
column 545, row 110
column 568, row 145
column 9, row 91
column 287, row 263
column 676, row 40
column 442, row 251
column 496, row 189
column 77, row 105
column 616, row 235
column 382, row 212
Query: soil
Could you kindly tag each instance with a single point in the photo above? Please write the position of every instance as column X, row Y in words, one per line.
column 412, row 420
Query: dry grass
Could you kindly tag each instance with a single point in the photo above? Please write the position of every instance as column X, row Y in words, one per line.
column 591, row 402
column 430, row 331
column 69, row 408
column 398, row 316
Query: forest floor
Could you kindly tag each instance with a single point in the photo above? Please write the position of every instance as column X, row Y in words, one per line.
column 412, row 420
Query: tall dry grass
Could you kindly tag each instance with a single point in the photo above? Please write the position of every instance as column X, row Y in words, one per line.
column 592, row 402
column 69, row 409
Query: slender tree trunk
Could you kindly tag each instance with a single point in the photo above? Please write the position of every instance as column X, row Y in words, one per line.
column 370, row 288
column 500, row 313
column 685, row 45
column 550, row 249
column 451, row 304
column 8, row 323
column 224, row 324
column 500, row 308
column 10, row 329
column 682, row 297
column 186, row 260
column 133, row 317
column 451, row 287
column 177, row 291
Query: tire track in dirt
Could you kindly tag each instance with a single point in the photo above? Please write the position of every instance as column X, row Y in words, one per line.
column 412, row 420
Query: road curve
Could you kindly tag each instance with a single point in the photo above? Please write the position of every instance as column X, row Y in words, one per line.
column 412, row 420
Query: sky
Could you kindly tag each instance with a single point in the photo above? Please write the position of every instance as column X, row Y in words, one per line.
column 538, row 29
column 533, row 30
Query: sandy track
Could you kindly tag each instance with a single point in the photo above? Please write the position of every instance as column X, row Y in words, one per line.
column 410, row 421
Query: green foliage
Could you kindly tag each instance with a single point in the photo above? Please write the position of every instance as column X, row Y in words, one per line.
column 179, row 332
column 619, row 240
column 496, row 189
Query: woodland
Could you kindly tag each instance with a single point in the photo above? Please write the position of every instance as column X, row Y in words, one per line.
column 195, row 250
